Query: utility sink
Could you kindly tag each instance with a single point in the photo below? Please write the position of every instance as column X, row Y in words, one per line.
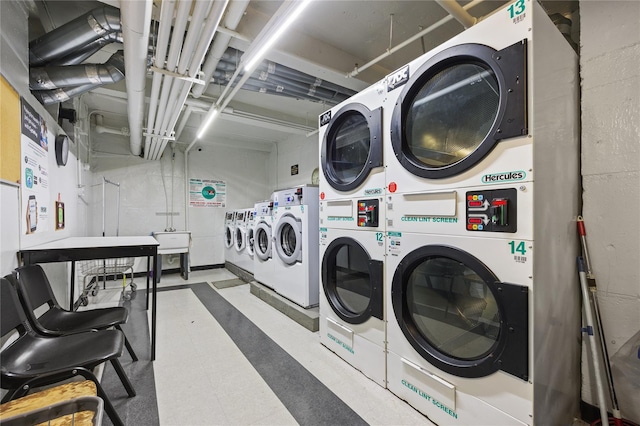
column 173, row 242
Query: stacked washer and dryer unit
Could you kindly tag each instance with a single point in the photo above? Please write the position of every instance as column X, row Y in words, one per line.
column 352, row 240
column 481, row 161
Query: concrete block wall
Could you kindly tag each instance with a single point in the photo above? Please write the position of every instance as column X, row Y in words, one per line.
column 610, row 74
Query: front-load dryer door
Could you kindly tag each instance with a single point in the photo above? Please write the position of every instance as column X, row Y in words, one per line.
column 457, row 106
column 288, row 239
column 458, row 316
column 352, row 281
column 262, row 241
column 352, row 146
column 229, row 236
column 240, row 239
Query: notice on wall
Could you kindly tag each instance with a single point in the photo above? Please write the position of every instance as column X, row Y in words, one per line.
column 34, row 147
column 207, row 193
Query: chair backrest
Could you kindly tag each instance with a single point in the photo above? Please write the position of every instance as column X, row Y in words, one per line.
column 34, row 286
column 12, row 316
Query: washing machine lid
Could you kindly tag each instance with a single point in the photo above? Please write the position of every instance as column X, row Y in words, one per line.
column 288, row 239
column 352, row 281
column 458, row 316
column 229, row 235
column 262, row 241
column 457, row 106
column 352, row 146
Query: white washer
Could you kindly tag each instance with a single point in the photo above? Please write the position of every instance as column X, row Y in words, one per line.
column 458, row 329
column 295, row 239
column 239, row 239
column 244, row 259
column 352, row 321
column 250, row 249
column 263, row 242
column 229, row 235
column 469, row 209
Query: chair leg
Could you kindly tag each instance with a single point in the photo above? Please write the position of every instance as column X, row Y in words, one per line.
column 108, row 407
column 123, row 377
column 128, row 345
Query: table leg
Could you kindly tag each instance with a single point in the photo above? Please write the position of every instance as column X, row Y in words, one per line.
column 153, row 309
column 73, row 284
column 148, row 271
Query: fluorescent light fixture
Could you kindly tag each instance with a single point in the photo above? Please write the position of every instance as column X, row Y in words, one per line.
column 208, row 120
column 302, row 4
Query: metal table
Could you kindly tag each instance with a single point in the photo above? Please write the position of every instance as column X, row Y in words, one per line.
column 90, row 248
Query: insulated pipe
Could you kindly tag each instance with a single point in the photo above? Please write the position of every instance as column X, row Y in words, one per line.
column 136, row 20
column 75, row 34
column 410, row 40
column 48, row 97
column 206, row 36
column 460, row 15
column 79, row 56
column 232, row 19
column 56, row 77
column 183, row 122
column 164, row 31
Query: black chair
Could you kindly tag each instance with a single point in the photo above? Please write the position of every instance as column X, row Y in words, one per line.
column 34, row 291
column 33, row 360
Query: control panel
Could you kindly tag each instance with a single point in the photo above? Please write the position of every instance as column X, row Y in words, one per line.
column 290, row 197
column 264, row 209
column 368, row 213
column 492, row 210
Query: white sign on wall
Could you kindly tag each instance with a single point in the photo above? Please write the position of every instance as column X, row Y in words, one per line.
column 207, row 193
column 35, row 141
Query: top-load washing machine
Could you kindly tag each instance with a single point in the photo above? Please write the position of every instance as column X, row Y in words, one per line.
column 295, row 240
column 263, row 243
column 243, row 225
column 483, row 189
column 229, row 235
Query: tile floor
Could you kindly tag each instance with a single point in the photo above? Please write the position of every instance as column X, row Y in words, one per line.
column 219, row 385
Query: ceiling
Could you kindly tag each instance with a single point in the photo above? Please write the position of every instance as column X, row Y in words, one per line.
column 328, row 41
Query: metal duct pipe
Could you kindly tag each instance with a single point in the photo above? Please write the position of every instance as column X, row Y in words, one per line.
column 206, row 36
column 232, row 19
column 136, row 20
column 454, row 9
column 75, row 34
column 79, row 56
column 48, row 97
column 48, row 78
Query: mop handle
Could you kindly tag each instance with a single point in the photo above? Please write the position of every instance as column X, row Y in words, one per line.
column 582, row 231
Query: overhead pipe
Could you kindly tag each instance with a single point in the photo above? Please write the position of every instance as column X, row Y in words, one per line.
column 136, row 22
column 234, row 14
column 164, row 31
column 55, row 96
column 100, row 128
column 410, row 40
column 461, row 15
column 54, row 77
column 206, row 36
column 76, row 34
column 85, row 52
column 180, row 25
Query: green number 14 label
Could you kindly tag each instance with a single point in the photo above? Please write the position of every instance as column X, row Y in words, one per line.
column 517, row 247
column 516, row 9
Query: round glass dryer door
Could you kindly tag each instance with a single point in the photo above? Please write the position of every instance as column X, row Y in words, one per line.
column 452, row 309
column 352, row 146
column 457, row 106
column 352, row 281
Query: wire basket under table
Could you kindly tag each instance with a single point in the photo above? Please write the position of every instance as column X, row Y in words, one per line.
column 92, row 270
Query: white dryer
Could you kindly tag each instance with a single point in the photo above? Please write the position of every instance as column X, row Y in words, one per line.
column 480, row 225
column 459, row 337
column 229, row 236
column 262, row 243
column 352, row 321
column 295, row 239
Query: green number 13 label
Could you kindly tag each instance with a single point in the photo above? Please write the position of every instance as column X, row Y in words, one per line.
column 516, row 9
column 517, row 247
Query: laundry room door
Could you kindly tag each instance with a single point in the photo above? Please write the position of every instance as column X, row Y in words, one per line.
column 288, row 239
column 352, row 281
column 352, row 146
column 456, row 106
column 457, row 314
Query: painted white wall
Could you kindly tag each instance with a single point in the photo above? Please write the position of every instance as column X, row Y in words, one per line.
column 300, row 150
column 610, row 72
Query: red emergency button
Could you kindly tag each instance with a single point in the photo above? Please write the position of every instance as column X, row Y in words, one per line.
column 393, row 187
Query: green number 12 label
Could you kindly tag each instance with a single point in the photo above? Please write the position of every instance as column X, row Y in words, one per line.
column 379, row 236
column 516, row 9
column 519, row 248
